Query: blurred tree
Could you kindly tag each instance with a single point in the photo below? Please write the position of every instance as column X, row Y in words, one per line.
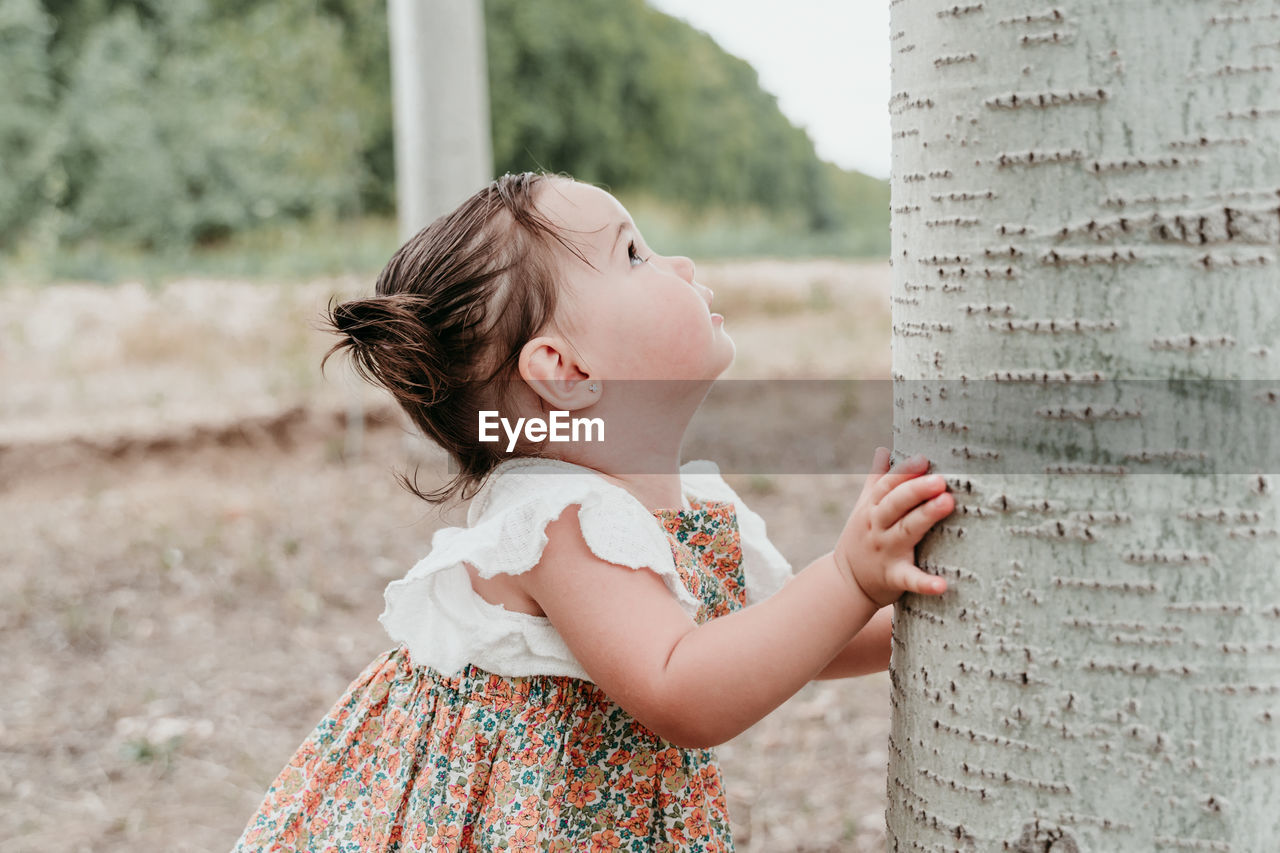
column 179, row 121
column 244, row 120
column 26, row 104
column 621, row 94
column 364, row 41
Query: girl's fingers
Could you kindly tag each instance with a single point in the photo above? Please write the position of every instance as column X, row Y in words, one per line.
column 914, row 525
column 906, row 470
column 908, row 577
column 926, row 584
column 905, row 497
column 879, row 467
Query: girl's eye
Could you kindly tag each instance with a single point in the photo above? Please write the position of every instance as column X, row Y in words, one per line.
column 632, row 255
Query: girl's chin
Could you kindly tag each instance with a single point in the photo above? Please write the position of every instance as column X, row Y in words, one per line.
column 733, row 352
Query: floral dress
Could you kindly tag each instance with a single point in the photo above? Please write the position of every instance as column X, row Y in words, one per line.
column 410, row 759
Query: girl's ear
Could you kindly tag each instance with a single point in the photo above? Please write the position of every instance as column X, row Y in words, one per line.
column 551, row 368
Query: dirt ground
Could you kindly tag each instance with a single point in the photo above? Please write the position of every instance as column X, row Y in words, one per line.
column 198, row 527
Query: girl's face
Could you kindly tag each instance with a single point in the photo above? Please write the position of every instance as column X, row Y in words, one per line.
column 637, row 314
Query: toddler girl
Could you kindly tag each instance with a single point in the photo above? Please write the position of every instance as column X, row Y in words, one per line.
column 567, row 661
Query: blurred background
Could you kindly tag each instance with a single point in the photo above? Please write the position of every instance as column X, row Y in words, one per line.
column 199, row 524
column 140, row 138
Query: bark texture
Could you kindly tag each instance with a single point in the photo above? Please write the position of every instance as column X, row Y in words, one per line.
column 1084, row 194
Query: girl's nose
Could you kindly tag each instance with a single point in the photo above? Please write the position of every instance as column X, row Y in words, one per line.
column 682, row 266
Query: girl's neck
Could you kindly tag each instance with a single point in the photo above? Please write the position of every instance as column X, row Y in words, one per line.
column 652, row 477
column 641, row 447
column 642, row 427
column 655, row 491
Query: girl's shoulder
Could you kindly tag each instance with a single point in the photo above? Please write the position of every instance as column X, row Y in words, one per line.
column 540, row 480
column 534, row 479
column 434, row 611
column 522, row 496
column 702, row 481
column 616, row 526
column 436, row 614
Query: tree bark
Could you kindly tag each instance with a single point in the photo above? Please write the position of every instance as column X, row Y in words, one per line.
column 1086, row 202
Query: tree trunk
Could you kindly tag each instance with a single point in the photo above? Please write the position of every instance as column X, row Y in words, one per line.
column 1086, row 199
column 441, row 99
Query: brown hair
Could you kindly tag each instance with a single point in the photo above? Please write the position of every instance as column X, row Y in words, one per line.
column 451, row 311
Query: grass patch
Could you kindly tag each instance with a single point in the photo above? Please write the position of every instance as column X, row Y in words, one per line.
column 285, row 252
column 314, row 249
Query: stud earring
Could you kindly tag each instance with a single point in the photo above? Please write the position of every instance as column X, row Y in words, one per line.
column 593, row 387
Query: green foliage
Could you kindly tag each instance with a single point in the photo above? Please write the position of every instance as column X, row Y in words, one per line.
column 26, row 106
column 862, row 205
column 615, row 92
column 189, row 128
column 167, row 124
column 364, row 42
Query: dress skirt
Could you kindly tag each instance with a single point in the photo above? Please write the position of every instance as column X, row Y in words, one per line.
column 412, row 760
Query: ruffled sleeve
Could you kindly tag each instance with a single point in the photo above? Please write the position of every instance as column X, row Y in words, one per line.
column 763, row 566
column 434, row 612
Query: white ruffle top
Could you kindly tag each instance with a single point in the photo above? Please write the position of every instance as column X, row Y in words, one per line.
column 439, row 618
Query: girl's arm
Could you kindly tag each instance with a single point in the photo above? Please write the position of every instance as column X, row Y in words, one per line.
column 700, row 685
column 694, row 685
column 867, row 652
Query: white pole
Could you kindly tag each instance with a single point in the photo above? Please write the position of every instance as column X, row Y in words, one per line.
column 441, row 106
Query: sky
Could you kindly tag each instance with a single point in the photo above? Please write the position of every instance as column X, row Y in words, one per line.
column 827, row 61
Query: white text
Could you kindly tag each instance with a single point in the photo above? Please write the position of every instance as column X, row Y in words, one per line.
column 557, row 427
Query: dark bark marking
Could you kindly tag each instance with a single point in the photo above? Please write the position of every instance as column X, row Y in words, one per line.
column 1206, row 142
column 1174, row 558
column 1222, row 20
column 1237, row 70
column 1192, row 343
column 966, row 196
column 954, row 59
column 1043, row 39
column 1140, row 165
column 1060, row 259
column 1040, row 837
column 1045, row 100
column 1053, row 16
column 1038, row 158
column 1044, row 376
column 1222, row 515
column 1055, row 326
column 1143, row 587
column 960, row 11
column 1252, row 114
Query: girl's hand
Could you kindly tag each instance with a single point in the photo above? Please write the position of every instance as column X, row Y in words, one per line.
column 876, row 549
